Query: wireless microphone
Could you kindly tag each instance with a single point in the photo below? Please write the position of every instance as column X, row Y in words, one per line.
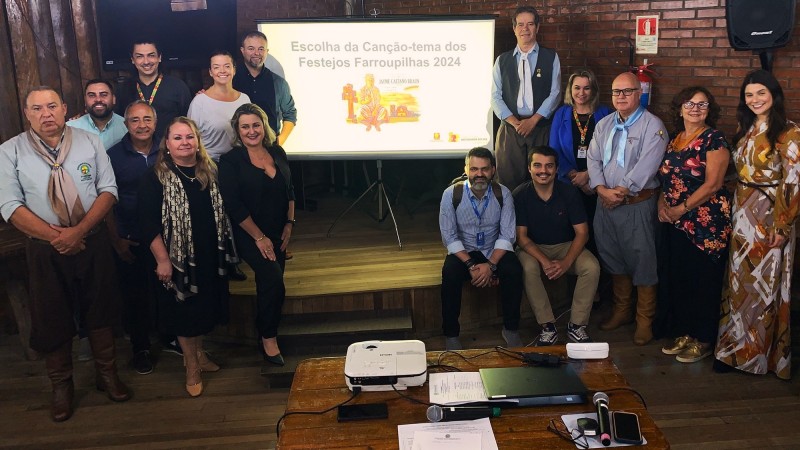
column 600, row 400
column 438, row 413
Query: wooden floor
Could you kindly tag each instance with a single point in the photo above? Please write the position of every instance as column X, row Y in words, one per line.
column 696, row 408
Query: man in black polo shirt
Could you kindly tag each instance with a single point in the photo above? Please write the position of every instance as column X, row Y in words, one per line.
column 551, row 235
column 168, row 95
column 264, row 87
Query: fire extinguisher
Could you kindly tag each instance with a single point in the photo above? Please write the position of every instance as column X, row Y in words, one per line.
column 646, row 81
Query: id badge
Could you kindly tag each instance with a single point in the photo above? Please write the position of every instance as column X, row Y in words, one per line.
column 582, row 151
column 481, row 238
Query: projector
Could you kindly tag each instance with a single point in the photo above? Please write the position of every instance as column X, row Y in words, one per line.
column 385, row 365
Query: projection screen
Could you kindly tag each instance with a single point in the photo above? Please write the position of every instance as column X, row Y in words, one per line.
column 399, row 87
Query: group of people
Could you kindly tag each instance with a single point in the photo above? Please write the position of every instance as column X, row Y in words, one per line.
column 710, row 256
column 185, row 185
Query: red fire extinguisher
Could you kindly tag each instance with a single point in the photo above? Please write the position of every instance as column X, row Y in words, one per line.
column 646, row 81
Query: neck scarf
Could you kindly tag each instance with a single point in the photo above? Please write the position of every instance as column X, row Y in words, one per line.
column 623, row 136
column 525, row 96
column 61, row 189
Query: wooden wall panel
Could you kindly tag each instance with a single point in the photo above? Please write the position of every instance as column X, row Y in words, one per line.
column 9, row 98
column 66, row 51
column 46, row 54
column 24, row 50
column 88, row 50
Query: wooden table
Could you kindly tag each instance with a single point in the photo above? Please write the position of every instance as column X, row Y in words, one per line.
column 319, row 384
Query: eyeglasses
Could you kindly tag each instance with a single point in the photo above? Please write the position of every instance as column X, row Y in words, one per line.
column 625, row 92
column 699, row 105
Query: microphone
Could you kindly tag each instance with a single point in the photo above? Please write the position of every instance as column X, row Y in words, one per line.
column 438, row 413
column 600, row 400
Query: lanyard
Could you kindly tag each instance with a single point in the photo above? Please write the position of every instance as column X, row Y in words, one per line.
column 583, row 130
column 485, row 204
column 155, row 89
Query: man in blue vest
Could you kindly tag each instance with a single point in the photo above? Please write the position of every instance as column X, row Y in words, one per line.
column 525, row 93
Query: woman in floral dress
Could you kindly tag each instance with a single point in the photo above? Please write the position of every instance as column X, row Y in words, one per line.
column 695, row 207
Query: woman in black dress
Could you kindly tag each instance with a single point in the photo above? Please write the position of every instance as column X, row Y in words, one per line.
column 256, row 184
column 181, row 214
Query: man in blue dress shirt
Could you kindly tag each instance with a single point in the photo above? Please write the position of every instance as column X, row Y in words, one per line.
column 479, row 234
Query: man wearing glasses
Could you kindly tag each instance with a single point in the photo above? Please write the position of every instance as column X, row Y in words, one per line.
column 623, row 158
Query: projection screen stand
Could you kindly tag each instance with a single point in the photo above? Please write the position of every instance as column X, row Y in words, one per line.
column 382, row 195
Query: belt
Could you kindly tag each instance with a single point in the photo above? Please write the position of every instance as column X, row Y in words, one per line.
column 91, row 232
column 643, row 195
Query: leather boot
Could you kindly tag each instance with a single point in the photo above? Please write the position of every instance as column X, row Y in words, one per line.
column 107, row 380
column 59, row 370
column 645, row 311
column 622, row 287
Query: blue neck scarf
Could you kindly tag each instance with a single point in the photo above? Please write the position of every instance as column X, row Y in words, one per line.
column 623, row 136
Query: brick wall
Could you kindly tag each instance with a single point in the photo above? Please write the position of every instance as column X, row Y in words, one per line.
column 693, row 44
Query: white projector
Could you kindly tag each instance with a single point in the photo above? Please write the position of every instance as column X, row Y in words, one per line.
column 379, row 365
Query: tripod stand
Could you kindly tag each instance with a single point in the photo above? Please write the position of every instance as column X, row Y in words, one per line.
column 377, row 184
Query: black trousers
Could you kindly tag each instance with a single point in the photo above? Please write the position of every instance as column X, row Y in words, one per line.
column 270, row 290
column 455, row 273
column 694, row 287
column 137, row 283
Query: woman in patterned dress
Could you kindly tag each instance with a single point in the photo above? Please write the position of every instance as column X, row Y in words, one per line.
column 754, row 328
column 695, row 208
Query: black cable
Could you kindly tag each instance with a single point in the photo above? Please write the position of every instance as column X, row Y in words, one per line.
column 630, row 390
column 356, row 391
column 412, row 399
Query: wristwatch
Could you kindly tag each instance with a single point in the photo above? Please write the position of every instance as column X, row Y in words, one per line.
column 292, row 221
column 493, row 267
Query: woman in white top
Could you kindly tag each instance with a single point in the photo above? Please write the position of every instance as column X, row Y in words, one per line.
column 212, row 109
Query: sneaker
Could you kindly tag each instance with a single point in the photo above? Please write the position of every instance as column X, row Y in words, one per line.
column 548, row 336
column 677, row 346
column 142, row 363
column 694, row 352
column 512, row 338
column 452, row 343
column 577, row 333
column 173, row 347
column 84, row 349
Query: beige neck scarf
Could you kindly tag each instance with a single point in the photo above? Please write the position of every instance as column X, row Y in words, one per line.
column 61, row 189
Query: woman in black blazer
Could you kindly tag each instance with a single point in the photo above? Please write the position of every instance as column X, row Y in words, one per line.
column 256, row 186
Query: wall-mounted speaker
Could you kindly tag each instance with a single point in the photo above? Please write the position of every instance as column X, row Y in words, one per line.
column 759, row 24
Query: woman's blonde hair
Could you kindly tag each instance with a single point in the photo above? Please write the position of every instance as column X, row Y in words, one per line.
column 205, row 170
column 594, row 100
column 251, row 108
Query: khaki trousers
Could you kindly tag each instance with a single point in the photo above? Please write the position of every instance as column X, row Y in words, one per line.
column 585, row 267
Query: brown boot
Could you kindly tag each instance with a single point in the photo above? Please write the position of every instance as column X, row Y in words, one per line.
column 107, row 380
column 59, row 370
column 622, row 314
column 645, row 311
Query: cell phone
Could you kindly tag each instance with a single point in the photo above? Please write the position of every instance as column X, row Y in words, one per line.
column 363, row 411
column 625, row 427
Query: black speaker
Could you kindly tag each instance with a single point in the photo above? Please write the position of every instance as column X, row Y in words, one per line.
column 759, row 24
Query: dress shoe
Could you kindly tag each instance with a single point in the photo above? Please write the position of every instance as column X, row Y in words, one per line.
column 272, row 359
column 694, row 352
column 194, row 389
column 275, row 359
column 677, row 346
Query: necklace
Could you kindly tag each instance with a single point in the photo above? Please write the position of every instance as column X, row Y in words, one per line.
column 184, row 175
column 681, row 144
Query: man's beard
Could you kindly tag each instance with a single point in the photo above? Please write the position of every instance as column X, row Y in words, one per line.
column 479, row 184
column 104, row 115
column 250, row 63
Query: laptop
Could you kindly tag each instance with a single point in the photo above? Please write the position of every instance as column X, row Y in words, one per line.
column 534, row 386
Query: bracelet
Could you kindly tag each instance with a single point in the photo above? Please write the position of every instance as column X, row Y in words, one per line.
column 469, row 263
column 261, row 238
column 686, row 206
column 291, row 221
